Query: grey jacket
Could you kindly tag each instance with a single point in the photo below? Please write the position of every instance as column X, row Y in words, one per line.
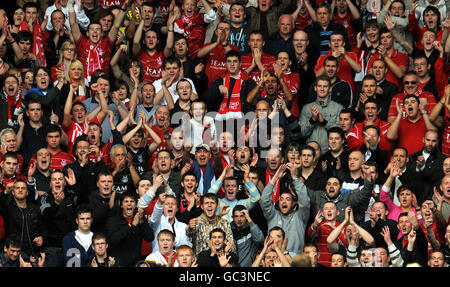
column 247, row 241
column 357, row 199
column 294, row 223
column 315, row 131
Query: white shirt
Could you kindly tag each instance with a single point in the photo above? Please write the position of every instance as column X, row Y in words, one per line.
column 82, row 19
column 172, row 89
column 85, row 240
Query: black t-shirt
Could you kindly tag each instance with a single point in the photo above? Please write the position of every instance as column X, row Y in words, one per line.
column 123, row 183
column 139, row 159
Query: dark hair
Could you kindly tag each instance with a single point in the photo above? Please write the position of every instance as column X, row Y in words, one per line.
column 377, row 128
column 323, row 78
column 56, row 11
column 25, row 36
column 411, row 96
column 402, row 148
column 149, row 4
column 370, row 101
column 311, row 245
column 307, row 147
column 13, row 240
column 171, row 60
column 139, row 64
column 323, row 5
column 369, row 77
column 101, row 13
column 384, row 203
column 32, row 101
column 336, row 177
column 98, row 236
column 402, row 215
column 348, row 111
column 330, row 59
column 83, row 208
column 10, row 154
column 435, row 10
column 278, row 228
column 397, row 1
column 104, row 172
column 210, row 196
column 52, row 128
column 372, row 23
column 217, row 230
column 403, row 187
column 30, row 5
column 233, row 53
column 188, row 173
column 337, row 130
column 165, row 150
column 238, row 207
column 230, row 178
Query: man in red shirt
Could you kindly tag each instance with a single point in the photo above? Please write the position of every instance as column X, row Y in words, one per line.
column 255, row 62
column 215, row 65
column 431, row 79
column 94, row 51
column 411, row 87
column 163, row 130
column 59, row 158
column 347, row 61
column 409, row 131
column 346, row 15
column 397, row 63
column 304, row 15
column 355, row 137
column 75, row 117
column 149, row 56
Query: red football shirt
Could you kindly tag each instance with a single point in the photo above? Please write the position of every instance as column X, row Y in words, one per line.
column 267, row 60
column 345, row 71
column 104, row 48
column 215, row 65
column 431, row 102
column 398, row 58
column 59, row 160
column 152, row 65
column 410, row 134
column 347, row 22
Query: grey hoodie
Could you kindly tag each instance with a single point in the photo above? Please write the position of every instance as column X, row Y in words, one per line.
column 294, row 223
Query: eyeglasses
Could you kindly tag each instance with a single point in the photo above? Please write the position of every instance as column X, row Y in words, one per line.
column 410, row 82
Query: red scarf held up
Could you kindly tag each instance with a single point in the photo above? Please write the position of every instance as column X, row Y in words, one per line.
column 235, row 100
column 276, row 189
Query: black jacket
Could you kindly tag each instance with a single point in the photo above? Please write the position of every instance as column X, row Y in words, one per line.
column 86, row 178
column 100, row 211
column 420, row 249
column 24, row 223
column 204, row 259
column 376, row 230
column 431, row 173
column 125, row 240
column 58, row 219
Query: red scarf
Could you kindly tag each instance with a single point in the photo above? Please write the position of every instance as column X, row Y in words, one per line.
column 174, row 258
column 17, row 102
column 185, row 23
column 276, row 189
column 93, row 60
column 234, row 105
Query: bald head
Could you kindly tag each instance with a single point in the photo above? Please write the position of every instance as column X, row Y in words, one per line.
column 300, row 42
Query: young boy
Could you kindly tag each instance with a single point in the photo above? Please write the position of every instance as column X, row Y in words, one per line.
column 166, row 255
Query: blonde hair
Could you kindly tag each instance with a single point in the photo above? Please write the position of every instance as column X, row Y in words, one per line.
column 65, row 45
column 76, row 63
column 6, row 132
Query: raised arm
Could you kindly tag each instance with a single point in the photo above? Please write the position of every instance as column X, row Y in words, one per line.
column 67, row 119
column 76, row 33
column 118, row 21
column 137, row 39
column 331, row 239
column 115, row 59
column 392, row 132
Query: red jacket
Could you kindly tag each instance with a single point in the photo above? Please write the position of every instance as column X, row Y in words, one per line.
column 355, row 137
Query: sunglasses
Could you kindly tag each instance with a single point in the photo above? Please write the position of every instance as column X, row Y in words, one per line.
column 410, row 82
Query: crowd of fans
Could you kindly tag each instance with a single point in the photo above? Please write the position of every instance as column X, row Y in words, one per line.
column 225, row 133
